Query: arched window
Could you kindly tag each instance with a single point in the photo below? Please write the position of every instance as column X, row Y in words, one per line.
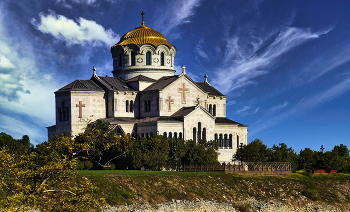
column 180, row 135
column 59, row 111
column 164, row 134
column 175, row 135
column 142, row 135
column 131, row 106
column 216, row 137
column 194, row 134
column 162, row 59
column 120, row 60
column 199, row 130
column 132, row 58
column 214, row 110
column 210, row 109
column 237, row 141
column 221, row 141
column 147, row 135
column 146, row 106
column 67, row 113
column 230, row 141
column 148, row 58
column 204, row 134
column 225, row 141
column 127, row 105
column 63, row 111
column 149, row 105
column 170, row 135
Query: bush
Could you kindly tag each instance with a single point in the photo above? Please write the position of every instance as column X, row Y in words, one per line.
column 312, row 194
column 84, row 165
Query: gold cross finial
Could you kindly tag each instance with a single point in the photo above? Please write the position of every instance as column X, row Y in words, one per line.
column 143, row 18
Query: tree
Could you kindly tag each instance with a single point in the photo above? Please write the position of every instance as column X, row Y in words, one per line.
column 97, row 143
column 151, row 153
column 307, row 159
column 282, row 153
column 20, row 146
column 46, row 179
column 255, row 151
column 203, row 152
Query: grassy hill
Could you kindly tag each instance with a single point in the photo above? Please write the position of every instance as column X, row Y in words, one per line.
column 127, row 187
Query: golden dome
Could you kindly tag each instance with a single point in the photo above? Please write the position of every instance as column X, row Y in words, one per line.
column 143, row 35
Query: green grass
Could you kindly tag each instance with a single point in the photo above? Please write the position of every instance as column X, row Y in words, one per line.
column 126, row 187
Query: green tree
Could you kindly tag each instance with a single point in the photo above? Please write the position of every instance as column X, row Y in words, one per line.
column 255, row 151
column 20, row 146
column 203, row 152
column 98, row 143
column 45, row 179
column 307, row 159
column 282, row 153
column 151, row 153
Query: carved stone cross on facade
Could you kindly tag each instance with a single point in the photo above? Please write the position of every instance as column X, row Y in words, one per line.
column 80, row 106
column 183, row 90
column 170, row 101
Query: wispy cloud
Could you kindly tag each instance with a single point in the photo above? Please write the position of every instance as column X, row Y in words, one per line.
column 247, row 110
column 68, row 3
column 179, row 11
column 304, row 105
column 243, row 62
column 199, row 50
column 83, row 32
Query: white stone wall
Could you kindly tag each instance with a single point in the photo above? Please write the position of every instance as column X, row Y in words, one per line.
column 191, row 121
column 220, row 103
column 173, row 127
column 95, row 108
column 119, row 103
column 175, row 95
column 124, row 68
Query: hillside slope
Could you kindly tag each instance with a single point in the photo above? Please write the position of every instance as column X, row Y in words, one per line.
column 295, row 190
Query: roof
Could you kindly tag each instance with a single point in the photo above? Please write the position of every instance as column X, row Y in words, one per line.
column 224, row 120
column 162, row 83
column 83, row 85
column 141, row 78
column 114, row 83
column 143, row 35
column 158, row 118
column 210, row 89
column 184, row 111
column 121, row 119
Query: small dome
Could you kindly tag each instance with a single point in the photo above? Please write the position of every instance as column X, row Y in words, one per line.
column 143, row 35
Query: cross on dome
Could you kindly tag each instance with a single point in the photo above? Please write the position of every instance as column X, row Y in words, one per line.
column 143, row 18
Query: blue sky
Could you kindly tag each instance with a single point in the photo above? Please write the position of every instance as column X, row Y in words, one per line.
column 283, row 64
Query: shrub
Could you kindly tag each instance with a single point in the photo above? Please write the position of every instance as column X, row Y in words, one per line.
column 312, row 194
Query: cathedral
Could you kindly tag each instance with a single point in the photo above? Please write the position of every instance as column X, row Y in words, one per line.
column 145, row 97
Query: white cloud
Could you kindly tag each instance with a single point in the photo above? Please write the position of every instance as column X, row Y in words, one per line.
column 6, row 63
column 83, row 32
column 243, row 63
column 247, row 110
column 179, row 13
column 199, row 50
column 304, row 105
column 22, row 128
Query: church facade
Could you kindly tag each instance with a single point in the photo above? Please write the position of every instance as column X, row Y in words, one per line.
column 145, row 97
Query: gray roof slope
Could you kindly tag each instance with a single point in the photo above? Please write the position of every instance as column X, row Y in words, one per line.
column 184, row 111
column 83, row 85
column 224, row 120
column 141, row 78
column 210, row 89
column 162, row 83
column 114, row 83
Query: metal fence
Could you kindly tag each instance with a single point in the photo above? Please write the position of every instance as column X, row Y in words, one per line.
column 239, row 167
